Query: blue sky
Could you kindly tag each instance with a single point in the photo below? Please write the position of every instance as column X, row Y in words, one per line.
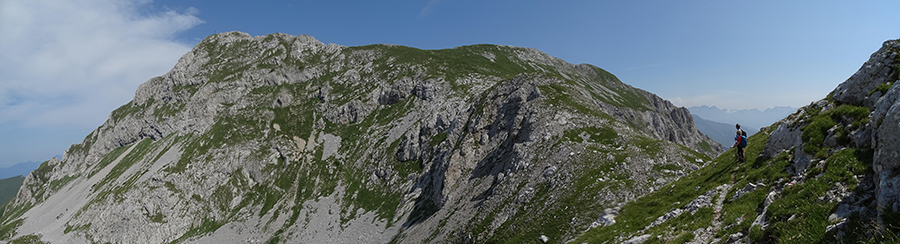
column 65, row 64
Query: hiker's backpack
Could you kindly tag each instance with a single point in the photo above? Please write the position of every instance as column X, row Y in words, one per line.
column 743, row 133
column 743, row 140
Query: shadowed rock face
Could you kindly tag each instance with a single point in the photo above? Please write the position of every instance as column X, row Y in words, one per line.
column 283, row 138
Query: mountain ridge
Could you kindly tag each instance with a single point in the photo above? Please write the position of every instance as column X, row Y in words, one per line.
column 22, row 169
column 281, row 137
column 721, row 132
column 754, row 118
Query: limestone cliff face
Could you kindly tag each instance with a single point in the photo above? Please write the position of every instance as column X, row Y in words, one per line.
column 282, row 138
column 824, row 174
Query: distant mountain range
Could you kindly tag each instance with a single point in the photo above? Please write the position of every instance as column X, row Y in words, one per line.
column 20, row 169
column 720, row 132
column 746, row 117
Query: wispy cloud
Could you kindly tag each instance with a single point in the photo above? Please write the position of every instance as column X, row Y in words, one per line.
column 428, row 8
column 69, row 63
column 73, row 57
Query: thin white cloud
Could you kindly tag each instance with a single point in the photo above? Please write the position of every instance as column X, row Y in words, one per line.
column 82, row 57
column 428, row 8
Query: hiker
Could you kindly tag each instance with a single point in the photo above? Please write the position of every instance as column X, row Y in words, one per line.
column 740, row 142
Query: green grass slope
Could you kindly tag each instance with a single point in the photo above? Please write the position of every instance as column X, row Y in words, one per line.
column 809, row 178
column 800, row 205
column 643, row 211
column 9, row 187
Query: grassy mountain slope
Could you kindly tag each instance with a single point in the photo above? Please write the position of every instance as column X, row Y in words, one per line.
column 824, row 174
column 9, row 187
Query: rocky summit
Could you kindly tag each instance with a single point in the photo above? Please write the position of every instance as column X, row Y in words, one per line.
column 284, row 139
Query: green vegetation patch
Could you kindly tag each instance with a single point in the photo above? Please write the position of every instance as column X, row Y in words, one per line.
column 57, row 184
column 138, row 153
column 452, row 64
column 10, row 212
column 221, row 198
column 171, row 187
column 8, row 230
column 295, row 120
column 188, row 90
column 556, row 220
column 106, row 189
column 559, row 95
column 363, row 193
column 799, row 216
column 684, row 238
column 167, row 110
column 604, row 135
column 158, row 217
column 661, row 167
column 85, row 145
column 129, row 109
column 738, row 215
column 204, row 227
column 437, row 139
column 370, row 197
column 9, row 187
column 763, row 170
column 883, row 88
column 757, row 234
column 705, row 146
column 896, row 75
column 810, row 215
column 225, row 60
column 652, row 147
column 229, row 129
column 624, row 96
column 639, row 213
column 599, row 174
column 28, row 239
column 80, row 228
column 107, row 159
column 386, row 114
column 43, row 171
column 820, row 122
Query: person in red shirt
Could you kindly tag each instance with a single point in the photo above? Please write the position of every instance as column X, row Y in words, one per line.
column 740, row 142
